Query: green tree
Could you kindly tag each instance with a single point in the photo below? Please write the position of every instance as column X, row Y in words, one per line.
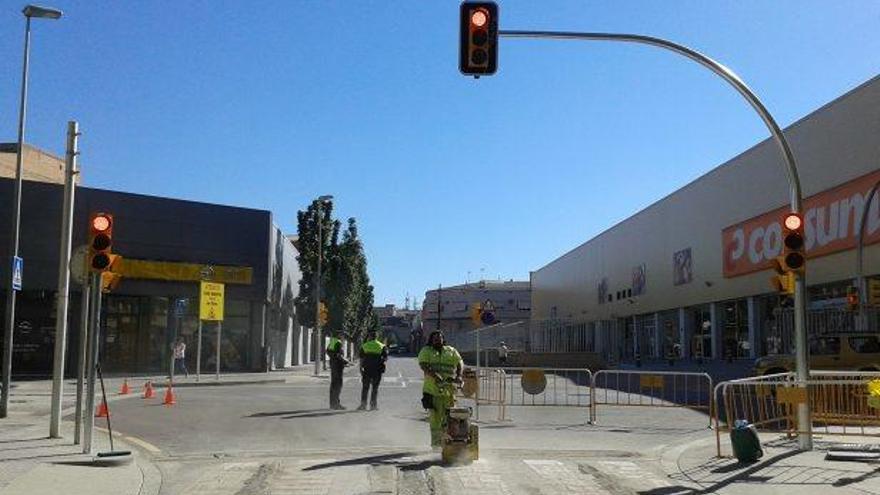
column 307, row 244
column 351, row 297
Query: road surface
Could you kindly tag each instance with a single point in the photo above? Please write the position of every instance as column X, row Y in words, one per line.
column 282, row 439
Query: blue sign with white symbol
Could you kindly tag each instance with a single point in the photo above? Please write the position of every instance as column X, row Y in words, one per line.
column 180, row 306
column 17, row 269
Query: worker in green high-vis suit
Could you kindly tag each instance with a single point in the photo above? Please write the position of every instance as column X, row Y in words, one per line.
column 337, row 366
column 441, row 364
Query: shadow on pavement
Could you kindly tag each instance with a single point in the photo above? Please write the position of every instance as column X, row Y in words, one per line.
column 856, row 479
column 282, row 413
column 45, row 456
column 669, row 490
column 82, row 464
column 371, row 460
column 17, row 440
column 323, row 413
column 421, row 466
column 766, row 472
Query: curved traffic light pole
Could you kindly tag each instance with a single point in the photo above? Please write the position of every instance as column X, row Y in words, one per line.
column 860, row 247
column 805, row 439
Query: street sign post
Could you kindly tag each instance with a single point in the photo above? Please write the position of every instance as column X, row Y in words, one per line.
column 17, row 269
column 211, row 296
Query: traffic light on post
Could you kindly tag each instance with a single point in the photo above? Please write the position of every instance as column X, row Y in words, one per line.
column 478, row 30
column 476, row 314
column 100, row 242
column 852, row 298
column 793, row 243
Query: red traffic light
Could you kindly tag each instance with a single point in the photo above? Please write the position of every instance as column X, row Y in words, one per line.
column 793, row 221
column 479, row 18
column 100, row 242
column 478, row 47
column 102, row 222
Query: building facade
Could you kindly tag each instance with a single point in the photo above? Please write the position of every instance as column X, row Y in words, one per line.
column 450, row 309
column 689, row 275
column 176, row 242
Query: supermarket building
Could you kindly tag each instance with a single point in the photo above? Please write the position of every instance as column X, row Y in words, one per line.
column 689, row 275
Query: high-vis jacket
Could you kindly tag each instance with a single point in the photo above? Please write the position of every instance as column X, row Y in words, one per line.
column 442, row 362
column 373, row 356
column 334, row 350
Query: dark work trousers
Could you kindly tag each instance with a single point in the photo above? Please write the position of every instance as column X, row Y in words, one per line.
column 335, row 383
column 370, row 379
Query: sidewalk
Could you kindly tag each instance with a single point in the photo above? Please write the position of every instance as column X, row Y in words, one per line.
column 782, row 469
column 32, row 463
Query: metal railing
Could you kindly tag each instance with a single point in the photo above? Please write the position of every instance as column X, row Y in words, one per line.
column 492, row 390
column 547, row 386
column 651, row 389
column 838, row 401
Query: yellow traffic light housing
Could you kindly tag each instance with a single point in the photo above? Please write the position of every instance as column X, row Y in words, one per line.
column 873, row 295
column 476, row 314
column 323, row 314
column 478, row 31
column 783, row 281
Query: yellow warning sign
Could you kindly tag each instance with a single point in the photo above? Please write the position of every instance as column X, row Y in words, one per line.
column 211, row 301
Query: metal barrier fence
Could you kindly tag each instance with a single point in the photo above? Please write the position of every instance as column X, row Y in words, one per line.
column 492, row 389
column 838, row 403
column 651, row 389
column 547, row 386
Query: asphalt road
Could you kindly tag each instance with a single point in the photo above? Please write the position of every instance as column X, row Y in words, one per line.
column 255, row 439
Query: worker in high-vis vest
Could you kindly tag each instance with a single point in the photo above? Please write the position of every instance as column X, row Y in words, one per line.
column 373, row 356
column 441, row 364
column 337, row 366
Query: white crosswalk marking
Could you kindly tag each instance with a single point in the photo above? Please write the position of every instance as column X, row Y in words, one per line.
column 559, row 478
column 636, row 477
column 229, row 480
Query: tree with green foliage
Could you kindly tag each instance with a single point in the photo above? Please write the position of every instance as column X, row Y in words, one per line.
column 318, row 213
column 345, row 283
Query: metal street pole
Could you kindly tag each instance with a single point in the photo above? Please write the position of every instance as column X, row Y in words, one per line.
column 199, row 353
column 805, row 440
column 70, row 172
column 81, row 364
column 219, row 334
column 39, row 12
column 318, row 337
column 92, row 361
column 860, row 247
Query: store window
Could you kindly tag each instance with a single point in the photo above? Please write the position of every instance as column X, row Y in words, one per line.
column 735, row 332
column 865, row 345
column 825, row 346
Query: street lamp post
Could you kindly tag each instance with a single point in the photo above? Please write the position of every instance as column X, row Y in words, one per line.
column 318, row 338
column 40, row 13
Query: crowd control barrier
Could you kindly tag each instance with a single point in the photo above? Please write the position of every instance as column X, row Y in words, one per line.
column 651, row 389
column 841, row 403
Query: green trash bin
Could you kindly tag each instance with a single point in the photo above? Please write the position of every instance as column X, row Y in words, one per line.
column 745, row 442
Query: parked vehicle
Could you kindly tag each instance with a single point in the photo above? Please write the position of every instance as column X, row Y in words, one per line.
column 834, row 351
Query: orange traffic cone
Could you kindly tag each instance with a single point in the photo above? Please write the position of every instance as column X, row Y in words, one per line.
column 125, row 389
column 169, row 396
column 149, row 393
column 102, row 411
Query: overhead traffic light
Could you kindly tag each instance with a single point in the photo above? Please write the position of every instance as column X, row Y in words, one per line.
column 100, row 242
column 852, row 298
column 793, row 243
column 478, row 47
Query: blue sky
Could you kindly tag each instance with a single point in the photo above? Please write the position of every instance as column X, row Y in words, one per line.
column 270, row 104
